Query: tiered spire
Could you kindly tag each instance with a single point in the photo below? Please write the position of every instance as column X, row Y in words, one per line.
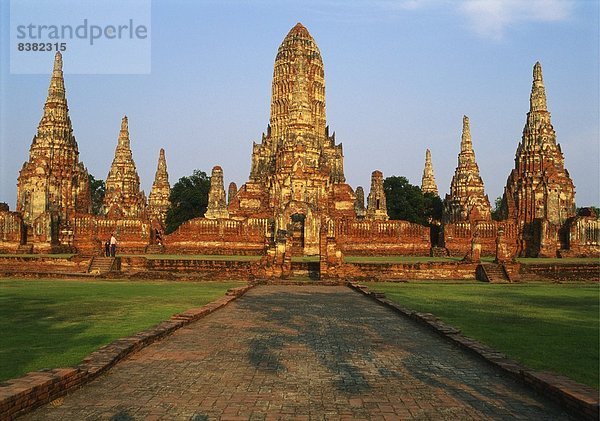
column 123, row 197
column 158, row 200
column 298, row 71
column 537, row 100
column 217, row 203
column 376, row 202
column 539, row 186
column 53, row 179
column 428, row 184
column 467, row 200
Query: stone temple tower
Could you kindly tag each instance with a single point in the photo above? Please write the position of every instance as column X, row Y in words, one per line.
column 297, row 171
column 467, row 201
column 376, row 203
column 217, row 202
column 158, row 200
column 539, row 187
column 428, row 184
column 53, row 180
column 123, row 198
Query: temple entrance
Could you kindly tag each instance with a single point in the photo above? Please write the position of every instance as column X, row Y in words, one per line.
column 297, row 226
column 24, row 232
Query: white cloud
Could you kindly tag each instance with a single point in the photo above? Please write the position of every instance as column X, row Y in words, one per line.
column 490, row 18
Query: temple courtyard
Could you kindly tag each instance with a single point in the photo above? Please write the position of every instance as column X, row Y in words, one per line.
column 310, row 351
column 302, row 352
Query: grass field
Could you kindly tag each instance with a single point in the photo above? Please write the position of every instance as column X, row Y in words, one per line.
column 56, row 323
column 544, row 326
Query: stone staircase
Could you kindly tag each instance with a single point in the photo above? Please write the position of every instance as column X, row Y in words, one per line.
column 493, row 273
column 101, row 265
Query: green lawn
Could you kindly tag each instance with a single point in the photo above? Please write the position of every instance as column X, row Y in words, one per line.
column 552, row 327
column 56, row 323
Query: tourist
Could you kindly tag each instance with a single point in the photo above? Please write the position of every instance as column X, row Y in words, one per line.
column 107, row 248
column 113, row 245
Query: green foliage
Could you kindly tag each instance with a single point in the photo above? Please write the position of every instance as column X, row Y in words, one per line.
column 497, row 211
column 56, row 323
column 544, row 326
column 593, row 208
column 189, row 199
column 97, row 189
column 407, row 202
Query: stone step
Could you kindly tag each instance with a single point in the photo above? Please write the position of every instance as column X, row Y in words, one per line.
column 491, row 272
column 101, row 264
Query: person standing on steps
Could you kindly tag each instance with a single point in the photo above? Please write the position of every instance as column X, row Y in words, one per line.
column 113, row 245
column 107, row 248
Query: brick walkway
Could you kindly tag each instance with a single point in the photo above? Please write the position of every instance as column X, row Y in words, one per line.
column 298, row 353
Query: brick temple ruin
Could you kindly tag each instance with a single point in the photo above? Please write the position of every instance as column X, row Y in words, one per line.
column 296, row 201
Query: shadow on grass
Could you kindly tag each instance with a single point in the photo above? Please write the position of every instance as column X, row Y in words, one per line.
column 41, row 331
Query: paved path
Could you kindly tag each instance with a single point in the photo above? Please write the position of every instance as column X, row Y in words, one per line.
column 308, row 352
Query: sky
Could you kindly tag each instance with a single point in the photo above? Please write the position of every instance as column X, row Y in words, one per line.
column 399, row 75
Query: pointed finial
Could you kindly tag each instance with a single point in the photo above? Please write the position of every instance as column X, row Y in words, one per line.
column 537, row 72
column 58, row 63
column 465, row 143
column 537, row 100
column 124, row 123
column 428, row 155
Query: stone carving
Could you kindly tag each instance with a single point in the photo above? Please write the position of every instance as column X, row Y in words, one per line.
column 297, row 168
column 217, row 205
column 467, row 201
column 158, row 200
column 123, row 198
column 539, row 186
column 376, row 204
column 428, row 184
column 53, row 180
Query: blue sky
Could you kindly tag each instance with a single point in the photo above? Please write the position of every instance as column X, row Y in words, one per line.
column 399, row 77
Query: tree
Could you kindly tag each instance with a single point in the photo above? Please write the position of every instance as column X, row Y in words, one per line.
column 497, row 211
column 189, row 199
column 97, row 190
column 586, row 210
column 407, row 202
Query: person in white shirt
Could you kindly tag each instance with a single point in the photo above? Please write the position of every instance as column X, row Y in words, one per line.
column 113, row 245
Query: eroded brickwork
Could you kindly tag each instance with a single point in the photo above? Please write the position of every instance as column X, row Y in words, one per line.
column 53, row 184
column 123, row 198
column 428, row 184
column 158, row 200
column 467, row 201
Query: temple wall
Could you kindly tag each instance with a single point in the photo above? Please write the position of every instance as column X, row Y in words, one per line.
column 16, row 264
column 219, row 236
column 10, row 231
column 91, row 232
column 371, row 238
column 583, row 237
column 407, row 271
column 457, row 237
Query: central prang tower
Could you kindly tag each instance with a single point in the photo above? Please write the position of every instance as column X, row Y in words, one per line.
column 297, row 172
